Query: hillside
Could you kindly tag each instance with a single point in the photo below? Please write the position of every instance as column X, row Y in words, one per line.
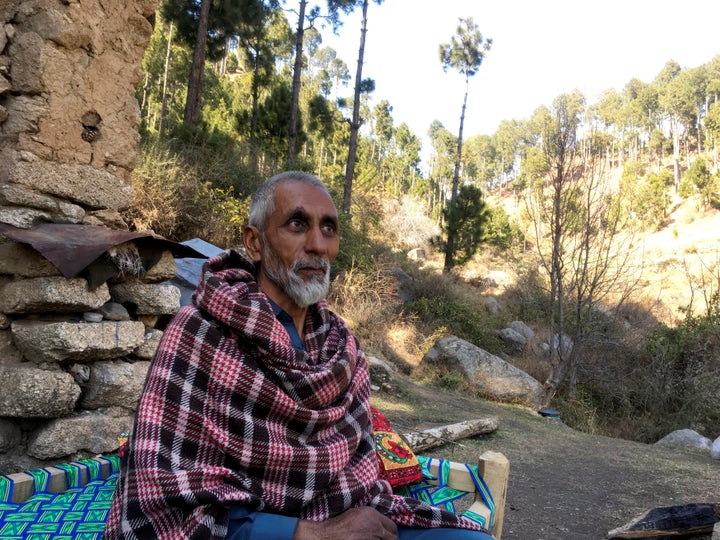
column 564, row 484
column 683, row 251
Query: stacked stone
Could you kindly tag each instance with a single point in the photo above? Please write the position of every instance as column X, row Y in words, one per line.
column 72, row 360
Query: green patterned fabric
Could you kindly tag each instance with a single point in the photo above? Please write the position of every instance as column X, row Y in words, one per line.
column 79, row 513
column 440, row 494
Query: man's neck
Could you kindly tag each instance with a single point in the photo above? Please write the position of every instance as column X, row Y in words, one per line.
column 278, row 296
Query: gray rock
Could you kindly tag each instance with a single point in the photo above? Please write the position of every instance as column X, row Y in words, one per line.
column 115, row 383
column 491, row 304
column 686, row 437
column 61, row 211
column 523, row 329
column 24, row 113
column 715, row 449
column 29, row 392
column 493, row 377
column 417, row 254
column 147, row 350
column 82, row 184
column 22, row 260
column 51, row 295
column 58, row 341
column 9, row 353
column 22, row 218
column 87, row 431
column 112, row 311
column 149, row 299
column 163, row 270
column 514, row 339
column 9, row 435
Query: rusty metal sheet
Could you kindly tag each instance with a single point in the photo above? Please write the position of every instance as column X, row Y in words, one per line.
column 73, row 248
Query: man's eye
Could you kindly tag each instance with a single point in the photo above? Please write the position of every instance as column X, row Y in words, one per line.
column 329, row 229
column 295, row 224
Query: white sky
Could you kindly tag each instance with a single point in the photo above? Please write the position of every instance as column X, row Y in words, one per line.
column 541, row 49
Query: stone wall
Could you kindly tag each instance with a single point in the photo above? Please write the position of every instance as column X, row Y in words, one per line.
column 72, row 359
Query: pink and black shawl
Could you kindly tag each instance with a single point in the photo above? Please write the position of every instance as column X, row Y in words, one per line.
column 232, row 414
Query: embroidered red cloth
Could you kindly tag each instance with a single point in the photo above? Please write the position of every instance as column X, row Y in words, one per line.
column 397, row 462
column 231, row 414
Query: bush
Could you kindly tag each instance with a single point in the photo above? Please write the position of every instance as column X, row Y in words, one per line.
column 185, row 189
column 680, row 377
column 438, row 309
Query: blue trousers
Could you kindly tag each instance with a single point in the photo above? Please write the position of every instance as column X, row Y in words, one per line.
column 245, row 525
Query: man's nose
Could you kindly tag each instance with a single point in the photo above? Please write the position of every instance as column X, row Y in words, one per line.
column 315, row 241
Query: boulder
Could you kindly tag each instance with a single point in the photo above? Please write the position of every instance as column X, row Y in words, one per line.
column 522, row 329
column 115, row 383
column 30, row 392
column 493, row 377
column 715, row 449
column 686, row 437
column 513, row 338
column 50, row 295
column 491, row 304
column 59, row 341
column 94, row 432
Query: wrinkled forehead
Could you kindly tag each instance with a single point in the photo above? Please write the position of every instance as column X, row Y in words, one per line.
column 295, row 196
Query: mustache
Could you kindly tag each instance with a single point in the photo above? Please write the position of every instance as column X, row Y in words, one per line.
column 311, row 262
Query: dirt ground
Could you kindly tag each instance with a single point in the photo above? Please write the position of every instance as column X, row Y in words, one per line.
column 564, row 485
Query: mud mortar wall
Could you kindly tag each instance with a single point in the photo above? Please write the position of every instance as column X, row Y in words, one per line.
column 69, row 121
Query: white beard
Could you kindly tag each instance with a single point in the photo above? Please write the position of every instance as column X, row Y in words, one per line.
column 302, row 293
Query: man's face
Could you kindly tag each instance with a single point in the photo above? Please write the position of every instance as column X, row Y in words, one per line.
column 299, row 243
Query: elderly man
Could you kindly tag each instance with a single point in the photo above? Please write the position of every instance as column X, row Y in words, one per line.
column 254, row 421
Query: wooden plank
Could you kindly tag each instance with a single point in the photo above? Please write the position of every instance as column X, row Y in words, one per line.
column 671, row 522
column 494, row 467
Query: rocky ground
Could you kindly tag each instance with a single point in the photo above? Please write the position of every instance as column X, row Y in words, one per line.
column 564, row 485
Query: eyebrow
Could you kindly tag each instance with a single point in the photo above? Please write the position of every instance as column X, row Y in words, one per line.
column 300, row 213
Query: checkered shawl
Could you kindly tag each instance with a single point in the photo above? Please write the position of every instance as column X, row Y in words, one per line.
column 231, row 414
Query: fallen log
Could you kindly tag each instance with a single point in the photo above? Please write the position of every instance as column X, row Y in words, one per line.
column 686, row 520
column 425, row 439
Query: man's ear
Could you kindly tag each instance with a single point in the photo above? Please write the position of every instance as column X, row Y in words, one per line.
column 252, row 239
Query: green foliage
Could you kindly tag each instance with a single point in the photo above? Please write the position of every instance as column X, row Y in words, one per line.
column 466, row 49
column 681, row 374
column 440, row 311
column 651, row 202
column 499, row 232
column 465, row 222
column 183, row 189
column 699, row 179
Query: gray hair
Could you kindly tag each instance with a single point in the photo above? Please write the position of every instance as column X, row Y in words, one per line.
column 262, row 202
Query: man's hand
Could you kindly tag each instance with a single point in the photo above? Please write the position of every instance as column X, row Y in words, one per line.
column 363, row 523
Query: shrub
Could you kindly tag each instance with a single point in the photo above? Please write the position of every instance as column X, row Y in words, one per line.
column 184, row 188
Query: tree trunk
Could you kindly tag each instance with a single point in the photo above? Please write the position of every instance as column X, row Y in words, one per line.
column 356, row 121
column 425, row 439
column 163, row 110
column 297, row 72
column 450, row 244
column 197, row 71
